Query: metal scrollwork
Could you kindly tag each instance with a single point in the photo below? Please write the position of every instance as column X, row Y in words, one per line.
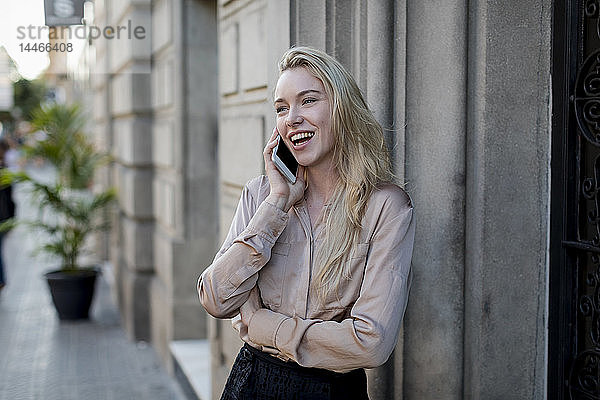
column 584, row 381
column 589, row 307
column 592, row 10
column 584, row 377
column 579, row 331
column 587, row 99
column 590, row 189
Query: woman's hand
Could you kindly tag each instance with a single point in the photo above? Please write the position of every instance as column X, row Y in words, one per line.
column 283, row 193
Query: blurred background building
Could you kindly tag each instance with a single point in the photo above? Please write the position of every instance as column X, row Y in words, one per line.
column 464, row 93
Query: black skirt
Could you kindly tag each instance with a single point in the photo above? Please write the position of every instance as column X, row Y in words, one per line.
column 259, row 376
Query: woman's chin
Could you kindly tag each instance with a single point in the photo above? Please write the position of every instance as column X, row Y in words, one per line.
column 304, row 161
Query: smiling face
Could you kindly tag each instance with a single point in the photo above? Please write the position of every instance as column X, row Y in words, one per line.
column 304, row 117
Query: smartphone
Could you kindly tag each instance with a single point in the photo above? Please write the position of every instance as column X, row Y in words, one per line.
column 284, row 160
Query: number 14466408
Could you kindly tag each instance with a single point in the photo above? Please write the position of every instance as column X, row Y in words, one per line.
column 46, row 47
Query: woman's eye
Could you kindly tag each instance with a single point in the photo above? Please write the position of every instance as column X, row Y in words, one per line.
column 279, row 110
column 309, row 100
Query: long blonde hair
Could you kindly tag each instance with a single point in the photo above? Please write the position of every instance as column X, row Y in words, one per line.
column 360, row 157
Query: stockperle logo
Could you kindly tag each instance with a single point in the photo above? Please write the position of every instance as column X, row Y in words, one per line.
column 63, row 12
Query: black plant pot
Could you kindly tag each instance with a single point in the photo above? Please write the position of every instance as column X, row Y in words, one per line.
column 72, row 292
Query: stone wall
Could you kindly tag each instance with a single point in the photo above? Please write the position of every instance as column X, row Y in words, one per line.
column 184, row 185
column 507, row 200
column 156, row 111
column 436, row 82
column 123, row 115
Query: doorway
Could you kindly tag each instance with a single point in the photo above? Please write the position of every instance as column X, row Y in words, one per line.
column 574, row 315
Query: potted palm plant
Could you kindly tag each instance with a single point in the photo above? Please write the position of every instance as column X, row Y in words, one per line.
column 69, row 211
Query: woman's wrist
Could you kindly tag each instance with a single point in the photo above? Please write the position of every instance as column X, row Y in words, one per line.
column 278, row 201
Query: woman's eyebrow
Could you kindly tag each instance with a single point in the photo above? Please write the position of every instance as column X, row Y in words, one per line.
column 300, row 94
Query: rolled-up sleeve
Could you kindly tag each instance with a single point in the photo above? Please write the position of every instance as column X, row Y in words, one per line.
column 224, row 286
column 368, row 336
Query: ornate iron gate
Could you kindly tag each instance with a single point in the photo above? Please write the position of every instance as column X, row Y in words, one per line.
column 574, row 320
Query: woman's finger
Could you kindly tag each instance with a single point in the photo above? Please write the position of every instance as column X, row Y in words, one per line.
column 271, row 143
column 269, row 149
column 272, row 139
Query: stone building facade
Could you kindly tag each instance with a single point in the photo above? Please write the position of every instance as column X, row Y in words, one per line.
column 155, row 110
column 463, row 92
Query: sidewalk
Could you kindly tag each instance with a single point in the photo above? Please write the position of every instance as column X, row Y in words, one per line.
column 43, row 358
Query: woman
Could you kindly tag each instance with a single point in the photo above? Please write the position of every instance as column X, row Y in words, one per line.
column 315, row 274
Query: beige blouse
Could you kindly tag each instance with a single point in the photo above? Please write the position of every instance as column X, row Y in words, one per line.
column 355, row 328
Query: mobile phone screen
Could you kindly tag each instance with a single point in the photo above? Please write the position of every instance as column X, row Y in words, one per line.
column 286, row 156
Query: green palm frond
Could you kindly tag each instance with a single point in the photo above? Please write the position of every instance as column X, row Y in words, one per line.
column 8, row 224
column 68, row 210
column 59, row 119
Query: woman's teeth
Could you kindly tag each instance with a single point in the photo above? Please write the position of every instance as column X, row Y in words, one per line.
column 302, row 137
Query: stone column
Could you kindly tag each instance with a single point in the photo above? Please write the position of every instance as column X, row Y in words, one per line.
column 185, row 180
column 435, row 173
column 379, row 67
column 398, row 150
column 308, row 22
column 508, row 152
column 130, row 108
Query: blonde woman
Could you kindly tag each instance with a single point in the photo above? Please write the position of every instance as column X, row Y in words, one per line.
column 315, row 274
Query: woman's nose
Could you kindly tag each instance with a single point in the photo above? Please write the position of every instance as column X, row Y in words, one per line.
column 293, row 118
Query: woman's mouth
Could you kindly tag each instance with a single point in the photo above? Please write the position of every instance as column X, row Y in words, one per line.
column 301, row 138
